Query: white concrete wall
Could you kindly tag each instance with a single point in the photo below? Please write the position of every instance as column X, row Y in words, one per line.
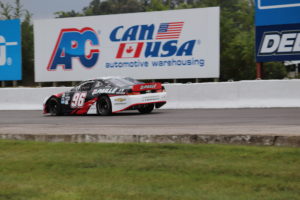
column 242, row 94
column 26, row 98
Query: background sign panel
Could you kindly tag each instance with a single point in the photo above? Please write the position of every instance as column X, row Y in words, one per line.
column 278, row 42
column 274, row 12
column 277, row 30
column 270, row 4
column 10, row 50
column 153, row 45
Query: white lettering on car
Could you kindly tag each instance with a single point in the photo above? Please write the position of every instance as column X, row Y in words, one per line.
column 104, row 91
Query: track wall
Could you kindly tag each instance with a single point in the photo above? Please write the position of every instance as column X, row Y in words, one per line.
column 242, row 94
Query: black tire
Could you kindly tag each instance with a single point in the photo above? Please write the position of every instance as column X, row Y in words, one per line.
column 54, row 107
column 104, row 106
column 145, row 109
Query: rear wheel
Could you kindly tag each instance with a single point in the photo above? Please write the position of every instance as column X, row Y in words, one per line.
column 145, row 109
column 104, row 106
column 54, row 107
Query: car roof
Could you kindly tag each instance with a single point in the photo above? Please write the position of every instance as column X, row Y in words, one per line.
column 104, row 78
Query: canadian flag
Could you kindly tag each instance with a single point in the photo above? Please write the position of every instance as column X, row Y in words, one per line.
column 130, row 50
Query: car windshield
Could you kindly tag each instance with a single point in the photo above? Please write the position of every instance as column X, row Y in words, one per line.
column 121, row 82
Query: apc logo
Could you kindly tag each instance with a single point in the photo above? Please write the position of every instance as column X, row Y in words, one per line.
column 4, row 60
column 75, row 44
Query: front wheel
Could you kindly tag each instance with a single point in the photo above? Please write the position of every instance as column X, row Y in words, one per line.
column 54, row 107
column 104, row 106
column 145, row 109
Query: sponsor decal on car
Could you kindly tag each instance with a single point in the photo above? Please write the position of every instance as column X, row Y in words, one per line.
column 65, row 98
column 120, row 100
column 105, row 91
column 151, row 98
column 147, row 86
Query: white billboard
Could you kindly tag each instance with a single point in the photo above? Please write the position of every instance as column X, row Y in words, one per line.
column 152, row 45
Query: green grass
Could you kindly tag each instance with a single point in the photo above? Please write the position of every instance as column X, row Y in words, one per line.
column 59, row 171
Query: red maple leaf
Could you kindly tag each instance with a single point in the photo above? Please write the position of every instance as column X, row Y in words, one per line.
column 129, row 50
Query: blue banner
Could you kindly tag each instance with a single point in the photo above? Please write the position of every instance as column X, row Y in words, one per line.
column 274, row 12
column 278, row 43
column 10, row 50
column 277, row 30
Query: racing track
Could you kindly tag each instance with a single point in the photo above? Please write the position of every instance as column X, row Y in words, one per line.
column 205, row 122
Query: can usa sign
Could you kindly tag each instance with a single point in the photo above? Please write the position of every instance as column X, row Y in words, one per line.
column 153, row 45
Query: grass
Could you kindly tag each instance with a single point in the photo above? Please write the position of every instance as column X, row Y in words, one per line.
column 59, row 171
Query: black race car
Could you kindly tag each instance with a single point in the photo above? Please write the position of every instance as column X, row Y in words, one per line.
column 107, row 95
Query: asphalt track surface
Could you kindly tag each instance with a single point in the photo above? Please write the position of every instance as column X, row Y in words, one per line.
column 272, row 121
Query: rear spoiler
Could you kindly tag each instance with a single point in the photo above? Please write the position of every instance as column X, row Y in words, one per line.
column 146, row 86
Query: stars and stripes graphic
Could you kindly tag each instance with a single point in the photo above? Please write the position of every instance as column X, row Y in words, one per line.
column 170, row 30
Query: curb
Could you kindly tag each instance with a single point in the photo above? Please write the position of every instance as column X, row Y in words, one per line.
column 291, row 141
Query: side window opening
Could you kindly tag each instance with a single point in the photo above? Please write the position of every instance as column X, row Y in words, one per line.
column 98, row 84
column 86, row 86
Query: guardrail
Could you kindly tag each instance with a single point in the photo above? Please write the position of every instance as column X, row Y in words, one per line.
column 241, row 94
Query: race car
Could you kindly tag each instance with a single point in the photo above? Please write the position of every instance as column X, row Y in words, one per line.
column 107, row 95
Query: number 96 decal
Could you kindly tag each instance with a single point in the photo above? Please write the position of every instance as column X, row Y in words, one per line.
column 78, row 99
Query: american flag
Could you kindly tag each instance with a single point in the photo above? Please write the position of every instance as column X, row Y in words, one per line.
column 170, row 30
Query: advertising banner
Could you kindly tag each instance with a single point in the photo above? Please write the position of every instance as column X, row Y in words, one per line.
column 10, row 50
column 151, row 45
column 277, row 30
